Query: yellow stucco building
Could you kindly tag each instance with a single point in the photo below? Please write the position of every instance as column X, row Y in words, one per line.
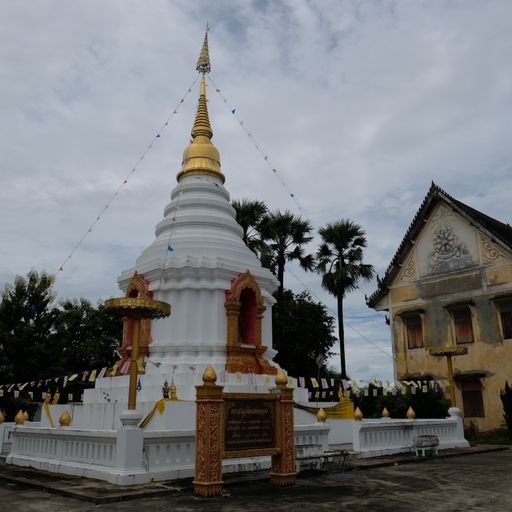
column 450, row 284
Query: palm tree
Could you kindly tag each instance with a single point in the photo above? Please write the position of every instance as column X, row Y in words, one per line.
column 249, row 214
column 284, row 236
column 340, row 260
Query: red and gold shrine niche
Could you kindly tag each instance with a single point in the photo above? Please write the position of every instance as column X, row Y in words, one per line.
column 244, row 312
column 138, row 287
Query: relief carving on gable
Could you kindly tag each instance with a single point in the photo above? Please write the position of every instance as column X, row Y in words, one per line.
column 490, row 251
column 448, row 251
column 409, row 272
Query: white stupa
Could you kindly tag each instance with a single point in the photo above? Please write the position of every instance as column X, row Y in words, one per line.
column 221, row 299
column 221, row 296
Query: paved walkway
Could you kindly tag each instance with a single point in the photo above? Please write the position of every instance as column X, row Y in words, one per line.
column 477, row 482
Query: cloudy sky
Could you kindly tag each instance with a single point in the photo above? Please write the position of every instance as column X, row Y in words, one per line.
column 358, row 104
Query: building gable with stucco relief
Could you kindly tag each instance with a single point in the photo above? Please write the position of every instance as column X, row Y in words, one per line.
column 447, row 242
column 491, row 252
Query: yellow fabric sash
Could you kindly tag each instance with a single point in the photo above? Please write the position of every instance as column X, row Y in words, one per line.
column 343, row 410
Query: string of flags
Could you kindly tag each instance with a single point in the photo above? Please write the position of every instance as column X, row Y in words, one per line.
column 277, row 174
column 266, row 158
column 124, row 182
column 328, row 389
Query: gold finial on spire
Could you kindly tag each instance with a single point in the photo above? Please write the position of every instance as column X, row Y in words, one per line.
column 203, row 62
column 201, row 156
column 202, row 122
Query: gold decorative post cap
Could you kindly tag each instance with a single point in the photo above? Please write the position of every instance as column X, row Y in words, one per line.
column 448, row 351
column 281, row 379
column 321, row 415
column 65, row 419
column 209, row 375
column 20, row 418
column 358, row 414
column 2, row 417
column 411, row 415
column 385, row 413
column 138, row 307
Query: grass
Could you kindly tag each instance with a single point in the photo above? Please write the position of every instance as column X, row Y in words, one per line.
column 503, row 437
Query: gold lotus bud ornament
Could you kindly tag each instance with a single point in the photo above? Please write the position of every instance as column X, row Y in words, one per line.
column 65, row 419
column 19, row 419
column 209, row 375
column 25, row 413
column 321, row 415
column 411, row 415
column 358, row 414
column 2, row 417
column 384, row 413
column 281, row 379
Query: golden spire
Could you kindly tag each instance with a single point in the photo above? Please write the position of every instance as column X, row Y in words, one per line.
column 201, row 156
column 203, row 62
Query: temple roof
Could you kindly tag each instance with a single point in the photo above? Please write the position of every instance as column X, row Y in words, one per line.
column 498, row 232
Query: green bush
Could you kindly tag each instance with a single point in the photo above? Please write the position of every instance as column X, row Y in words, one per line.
column 10, row 407
column 506, row 399
column 431, row 404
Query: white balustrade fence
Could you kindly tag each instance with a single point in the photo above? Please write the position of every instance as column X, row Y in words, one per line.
column 386, row 436
column 139, row 458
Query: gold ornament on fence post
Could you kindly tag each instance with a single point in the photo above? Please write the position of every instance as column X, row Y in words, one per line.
column 384, row 413
column 2, row 417
column 65, row 419
column 321, row 415
column 209, row 436
column 411, row 415
column 20, row 418
column 358, row 414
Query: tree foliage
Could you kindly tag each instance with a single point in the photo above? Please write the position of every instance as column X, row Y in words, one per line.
column 285, row 236
column 340, row 261
column 276, row 237
column 40, row 339
column 302, row 331
column 506, row 400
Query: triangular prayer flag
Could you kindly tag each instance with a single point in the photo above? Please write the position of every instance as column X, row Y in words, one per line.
column 233, row 111
column 169, row 248
column 139, row 385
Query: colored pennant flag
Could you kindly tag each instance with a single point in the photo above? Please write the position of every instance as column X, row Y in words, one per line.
column 233, row 111
column 169, row 248
column 139, row 385
column 102, row 372
column 31, row 395
column 302, row 382
column 266, row 380
column 92, row 377
column 70, row 397
column 314, row 382
column 65, row 381
column 73, row 377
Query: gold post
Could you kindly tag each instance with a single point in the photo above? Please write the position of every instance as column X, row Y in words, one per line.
column 449, row 352
column 453, row 400
column 134, row 370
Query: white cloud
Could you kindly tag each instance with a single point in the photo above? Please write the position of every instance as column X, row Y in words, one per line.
column 358, row 104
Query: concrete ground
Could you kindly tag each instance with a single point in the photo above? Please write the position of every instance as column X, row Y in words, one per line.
column 474, row 482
